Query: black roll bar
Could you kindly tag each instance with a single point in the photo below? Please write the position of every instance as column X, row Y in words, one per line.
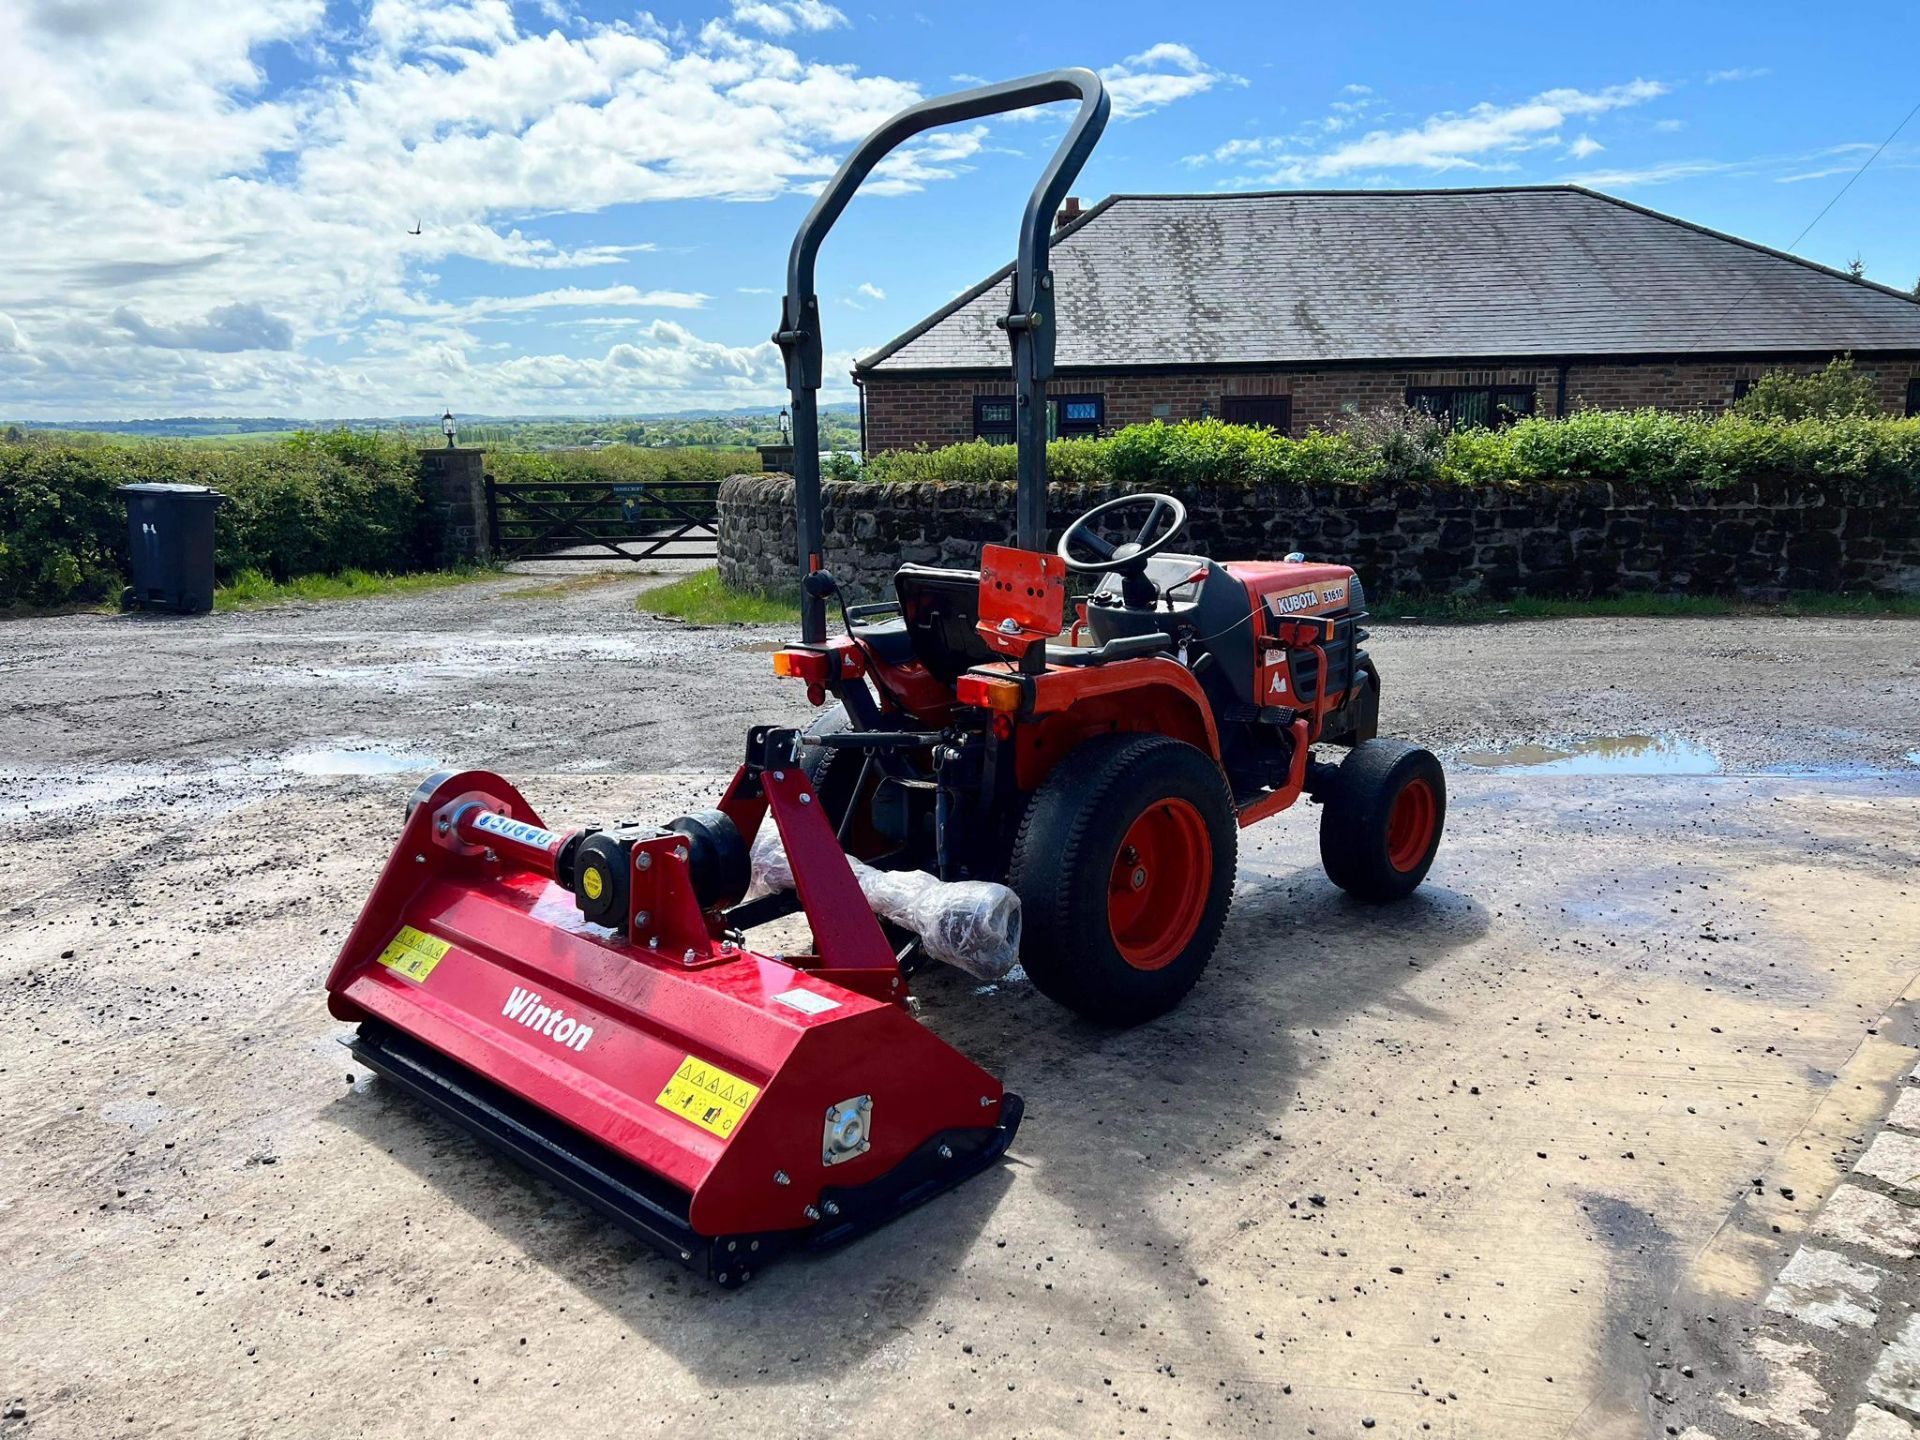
column 1028, row 323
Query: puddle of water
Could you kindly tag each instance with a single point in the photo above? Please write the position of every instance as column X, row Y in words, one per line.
column 1601, row 755
column 181, row 791
column 410, row 661
column 1832, row 770
column 33, row 794
column 357, row 762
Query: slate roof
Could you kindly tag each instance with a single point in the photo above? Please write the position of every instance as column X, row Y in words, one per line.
column 1303, row 276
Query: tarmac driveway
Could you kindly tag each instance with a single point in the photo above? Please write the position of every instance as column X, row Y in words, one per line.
column 1472, row 1166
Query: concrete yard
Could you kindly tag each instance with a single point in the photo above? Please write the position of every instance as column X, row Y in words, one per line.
column 1522, row 1157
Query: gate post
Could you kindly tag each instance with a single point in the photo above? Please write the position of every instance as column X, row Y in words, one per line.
column 455, row 497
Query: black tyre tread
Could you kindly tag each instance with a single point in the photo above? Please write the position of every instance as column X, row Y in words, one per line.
column 832, row 774
column 816, row 759
column 1352, row 820
column 1055, row 829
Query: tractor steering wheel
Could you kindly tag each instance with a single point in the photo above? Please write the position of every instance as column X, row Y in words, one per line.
column 1131, row 556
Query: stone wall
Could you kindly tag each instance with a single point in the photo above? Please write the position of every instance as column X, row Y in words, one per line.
column 907, row 410
column 1762, row 539
column 453, row 507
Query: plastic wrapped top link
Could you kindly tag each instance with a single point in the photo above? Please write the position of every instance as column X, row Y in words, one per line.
column 973, row 925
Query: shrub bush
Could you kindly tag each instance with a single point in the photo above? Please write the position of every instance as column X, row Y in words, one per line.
column 1830, row 394
column 618, row 463
column 1410, row 444
column 314, row 504
column 1650, row 449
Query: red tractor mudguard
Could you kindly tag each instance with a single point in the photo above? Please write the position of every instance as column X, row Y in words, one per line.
column 722, row 1104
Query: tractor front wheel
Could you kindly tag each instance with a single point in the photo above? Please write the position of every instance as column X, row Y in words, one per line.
column 1124, row 865
column 1381, row 819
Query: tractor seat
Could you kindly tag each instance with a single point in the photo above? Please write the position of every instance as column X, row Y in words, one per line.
column 940, row 608
column 886, row 640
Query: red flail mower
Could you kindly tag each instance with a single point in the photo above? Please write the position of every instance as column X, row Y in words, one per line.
column 590, row 1001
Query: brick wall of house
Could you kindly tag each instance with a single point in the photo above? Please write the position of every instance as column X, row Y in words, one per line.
column 905, row 412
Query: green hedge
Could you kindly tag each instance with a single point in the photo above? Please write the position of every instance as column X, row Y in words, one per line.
column 1651, row 448
column 618, row 464
column 314, row 504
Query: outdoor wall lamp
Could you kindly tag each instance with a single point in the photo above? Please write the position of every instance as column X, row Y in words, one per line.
column 446, row 428
column 786, row 426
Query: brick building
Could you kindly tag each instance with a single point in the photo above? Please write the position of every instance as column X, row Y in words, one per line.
column 1292, row 308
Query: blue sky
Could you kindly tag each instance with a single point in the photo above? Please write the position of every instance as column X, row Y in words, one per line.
column 204, row 203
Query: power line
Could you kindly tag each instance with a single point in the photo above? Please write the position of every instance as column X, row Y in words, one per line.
column 1807, row 229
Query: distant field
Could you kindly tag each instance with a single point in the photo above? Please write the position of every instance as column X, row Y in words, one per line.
column 736, row 430
column 214, row 442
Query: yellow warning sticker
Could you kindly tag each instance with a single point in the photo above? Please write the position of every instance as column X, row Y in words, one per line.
column 708, row 1096
column 593, row 882
column 413, row 953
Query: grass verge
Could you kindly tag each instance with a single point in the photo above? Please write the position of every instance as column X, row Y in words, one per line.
column 251, row 590
column 1464, row 610
column 702, row 599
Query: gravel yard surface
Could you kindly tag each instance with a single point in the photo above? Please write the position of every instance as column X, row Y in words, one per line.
column 1477, row 1165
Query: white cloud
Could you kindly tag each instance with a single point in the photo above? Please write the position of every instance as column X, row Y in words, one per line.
column 1792, row 168
column 1661, row 174
column 475, row 241
column 189, row 230
column 180, row 236
column 399, row 25
column 867, row 290
column 1448, row 142
column 1484, row 137
column 1825, row 172
column 783, row 17
column 1724, row 77
column 1158, row 76
column 573, row 296
column 1583, row 147
column 222, row 330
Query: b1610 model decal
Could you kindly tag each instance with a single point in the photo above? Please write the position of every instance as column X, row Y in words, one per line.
column 1312, row 598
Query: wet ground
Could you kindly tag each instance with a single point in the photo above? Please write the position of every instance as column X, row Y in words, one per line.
column 1472, row 1166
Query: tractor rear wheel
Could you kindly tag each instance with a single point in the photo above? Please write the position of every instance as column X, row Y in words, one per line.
column 1124, row 865
column 1381, row 818
column 832, row 773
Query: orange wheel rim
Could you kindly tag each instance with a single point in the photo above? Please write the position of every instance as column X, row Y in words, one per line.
column 1410, row 825
column 1158, row 889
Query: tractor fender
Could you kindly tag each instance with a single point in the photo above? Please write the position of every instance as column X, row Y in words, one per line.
column 1151, row 696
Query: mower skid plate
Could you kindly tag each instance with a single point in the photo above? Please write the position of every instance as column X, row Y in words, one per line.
column 639, row 1201
column 701, row 1101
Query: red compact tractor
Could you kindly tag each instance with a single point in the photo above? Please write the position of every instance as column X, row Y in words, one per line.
column 590, row 1001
